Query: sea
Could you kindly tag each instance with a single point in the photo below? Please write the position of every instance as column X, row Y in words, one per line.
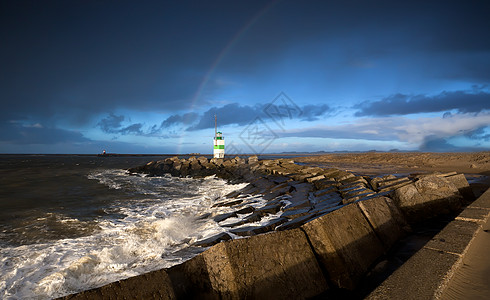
column 69, row 223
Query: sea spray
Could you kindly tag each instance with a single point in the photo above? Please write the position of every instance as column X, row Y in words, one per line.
column 153, row 226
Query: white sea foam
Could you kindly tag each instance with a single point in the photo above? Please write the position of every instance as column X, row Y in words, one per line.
column 156, row 232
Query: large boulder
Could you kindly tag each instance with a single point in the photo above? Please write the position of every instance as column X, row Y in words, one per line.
column 277, row 265
column 153, row 285
column 428, row 197
column 252, row 159
column 385, row 218
column 345, row 243
column 460, row 182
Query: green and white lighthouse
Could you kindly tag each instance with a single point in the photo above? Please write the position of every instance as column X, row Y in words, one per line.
column 219, row 141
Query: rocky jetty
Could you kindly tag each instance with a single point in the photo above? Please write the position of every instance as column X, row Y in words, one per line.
column 296, row 193
column 324, row 228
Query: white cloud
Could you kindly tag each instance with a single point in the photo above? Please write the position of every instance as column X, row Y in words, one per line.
column 416, row 130
column 412, row 131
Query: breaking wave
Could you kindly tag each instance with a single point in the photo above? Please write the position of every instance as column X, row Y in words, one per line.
column 152, row 226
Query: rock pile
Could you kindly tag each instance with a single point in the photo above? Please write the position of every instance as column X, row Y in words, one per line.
column 296, row 194
column 325, row 229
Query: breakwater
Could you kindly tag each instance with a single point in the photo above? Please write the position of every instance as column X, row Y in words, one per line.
column 331, row 227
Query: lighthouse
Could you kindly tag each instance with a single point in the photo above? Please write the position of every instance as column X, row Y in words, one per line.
column 219, row 141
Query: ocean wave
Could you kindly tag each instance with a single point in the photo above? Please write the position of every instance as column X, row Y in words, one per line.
column 151, row 233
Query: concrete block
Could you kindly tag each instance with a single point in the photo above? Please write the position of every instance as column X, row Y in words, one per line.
column 462, row 185
column 455, row 237
column 477, row 215
column 482, row 202
column 276, row 265
column 428, row 197
column 153, row 285
column 419, row 278
column 345, row 244
column 440, row 193
column 385, row 218
column 376, row 181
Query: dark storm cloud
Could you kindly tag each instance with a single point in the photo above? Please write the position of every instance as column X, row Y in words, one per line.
column 479, row 134
column 185, row 119
column 437, row 144
column 67, row 62
column 400, row 104
column 229, row 114
column 37, row 134
column 111, row 123
column 314, row 112
column 62, row 59
column 237, row 114
column 135, row 129
column 114, row 124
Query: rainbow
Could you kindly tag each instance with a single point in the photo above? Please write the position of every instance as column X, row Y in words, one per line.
column 220, row 57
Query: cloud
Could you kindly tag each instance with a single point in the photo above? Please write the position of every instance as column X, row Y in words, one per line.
column 134, row 129
column 423, row 133
column 17, row 133
column 419, row 129
column 113, row 124
column 437, row 144
column 400, row 104
column 480, row 134
column 236, row 114
column 185, row 119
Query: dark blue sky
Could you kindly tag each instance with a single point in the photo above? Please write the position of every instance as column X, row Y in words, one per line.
column 148, row 76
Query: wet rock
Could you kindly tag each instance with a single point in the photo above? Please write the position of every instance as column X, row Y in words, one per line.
column 254, row 217
column 223, row 217
column 269, row 209
column 295, row 213
column 253, row 230
column 245, row 231
column 297, row 205
column 296, row 222
column 233, row 194
column 325, row 183
column 246, row 210
column 227, row 203
column 324, row 191
column 327, row 199
column 277, row 191
column 213, row 240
